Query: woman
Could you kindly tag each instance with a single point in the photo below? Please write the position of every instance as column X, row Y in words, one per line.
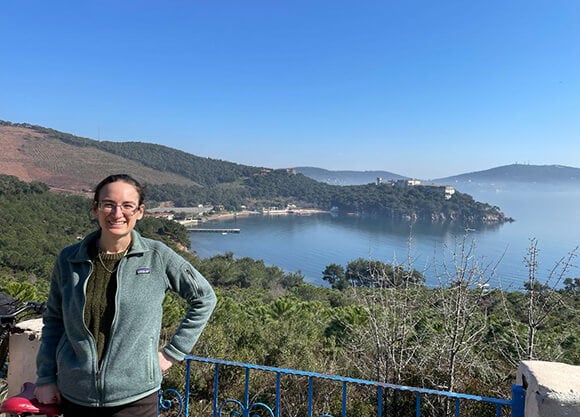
column 99, row 349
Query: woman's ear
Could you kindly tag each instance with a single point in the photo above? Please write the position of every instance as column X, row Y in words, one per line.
column 94, row 210
column 141, row 212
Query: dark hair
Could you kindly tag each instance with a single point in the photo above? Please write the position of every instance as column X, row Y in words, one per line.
column 120, row 177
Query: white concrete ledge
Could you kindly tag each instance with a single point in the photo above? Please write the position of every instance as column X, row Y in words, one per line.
column 552, row 388
column 23, row 348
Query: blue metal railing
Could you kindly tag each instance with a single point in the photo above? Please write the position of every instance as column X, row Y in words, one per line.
column 173, row 403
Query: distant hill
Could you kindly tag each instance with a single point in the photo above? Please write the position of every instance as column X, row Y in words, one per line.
column 347, row 177
column 518, row 173
column 32, row 153
column 508, row 174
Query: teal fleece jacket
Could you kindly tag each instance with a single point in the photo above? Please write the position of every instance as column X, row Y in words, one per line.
column 130, row 367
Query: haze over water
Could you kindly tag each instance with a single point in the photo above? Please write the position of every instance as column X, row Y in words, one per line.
column 309, row 243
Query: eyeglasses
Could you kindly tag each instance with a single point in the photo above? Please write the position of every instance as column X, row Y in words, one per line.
column 107, row 207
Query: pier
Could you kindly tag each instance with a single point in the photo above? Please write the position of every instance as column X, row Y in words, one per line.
column 223, row 231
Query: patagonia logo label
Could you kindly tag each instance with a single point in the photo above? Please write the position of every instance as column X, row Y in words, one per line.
column 141, row 271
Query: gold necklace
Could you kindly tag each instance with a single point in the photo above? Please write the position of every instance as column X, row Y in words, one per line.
column 111, row 271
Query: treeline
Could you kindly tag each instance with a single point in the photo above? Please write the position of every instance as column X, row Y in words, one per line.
column 234, row 185
column 371, row 274
column 36, row 224
column 280, row 188
column 207, row 172
column 376, row 320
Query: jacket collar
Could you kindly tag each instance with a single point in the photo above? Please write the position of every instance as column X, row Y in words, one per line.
column 81, row 254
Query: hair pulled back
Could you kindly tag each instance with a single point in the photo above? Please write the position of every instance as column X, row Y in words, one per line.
column 120, row 177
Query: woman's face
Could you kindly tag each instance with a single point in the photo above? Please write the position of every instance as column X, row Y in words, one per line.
column 118, row 209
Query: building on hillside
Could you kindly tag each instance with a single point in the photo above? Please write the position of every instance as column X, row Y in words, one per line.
column 449, row 191
column 409, row 182
column 161, row 215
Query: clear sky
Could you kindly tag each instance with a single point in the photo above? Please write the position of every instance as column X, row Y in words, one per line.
column 422, row 88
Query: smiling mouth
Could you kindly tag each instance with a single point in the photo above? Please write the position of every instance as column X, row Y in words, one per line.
column 116, row 223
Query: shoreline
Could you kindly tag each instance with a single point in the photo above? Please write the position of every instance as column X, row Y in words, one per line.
column 248, row 213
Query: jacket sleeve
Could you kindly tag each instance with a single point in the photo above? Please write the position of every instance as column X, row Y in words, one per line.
column 52, row 331
column 186, row 281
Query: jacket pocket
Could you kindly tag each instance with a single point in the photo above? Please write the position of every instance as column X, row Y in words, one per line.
column 153, row 366
column 75, row 375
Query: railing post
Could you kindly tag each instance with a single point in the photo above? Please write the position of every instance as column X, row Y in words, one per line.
column 418, row 404
column 380, row 401
column 187, row 386
column 278, row 393
column 310, row 395
column 216, row 380
column 247, row 394
column 518, row 400
column 344, row 399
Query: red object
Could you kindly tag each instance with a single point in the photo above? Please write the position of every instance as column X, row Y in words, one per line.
column 26, row 402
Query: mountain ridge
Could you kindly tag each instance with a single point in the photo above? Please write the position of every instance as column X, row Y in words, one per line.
column 31, row 155
column 68, row 162
column 519, row 173
column 513, row 173
column 347, row 177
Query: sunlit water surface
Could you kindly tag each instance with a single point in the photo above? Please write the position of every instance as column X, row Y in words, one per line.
column 309, row 243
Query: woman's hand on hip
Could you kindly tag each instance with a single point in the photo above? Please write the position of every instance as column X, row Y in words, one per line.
column 165, row 361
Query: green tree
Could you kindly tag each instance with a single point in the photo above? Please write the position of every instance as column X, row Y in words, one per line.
column 334, row 274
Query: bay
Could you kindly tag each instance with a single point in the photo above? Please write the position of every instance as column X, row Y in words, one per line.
column 309, row 243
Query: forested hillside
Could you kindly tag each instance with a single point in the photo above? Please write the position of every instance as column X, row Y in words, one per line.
column 204, row 180
column 206, row 172
column 344, row 177
column 377, row 322
column 34, row 156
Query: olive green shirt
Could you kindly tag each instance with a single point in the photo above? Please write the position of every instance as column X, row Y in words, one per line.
column 100, row 302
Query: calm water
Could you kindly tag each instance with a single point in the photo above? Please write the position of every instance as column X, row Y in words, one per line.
column 309, row 243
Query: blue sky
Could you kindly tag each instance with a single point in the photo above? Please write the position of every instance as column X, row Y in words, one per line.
column 421, row 88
